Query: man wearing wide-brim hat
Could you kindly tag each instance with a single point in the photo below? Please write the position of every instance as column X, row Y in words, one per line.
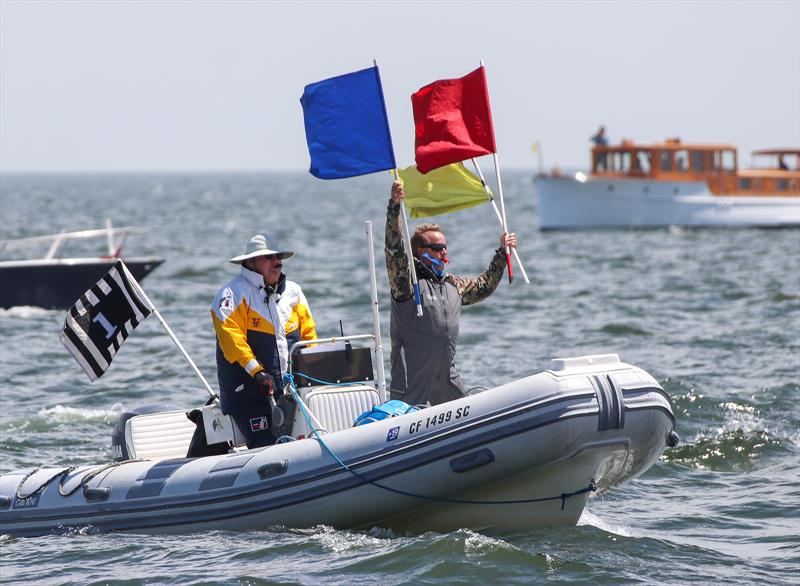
column 257, row 316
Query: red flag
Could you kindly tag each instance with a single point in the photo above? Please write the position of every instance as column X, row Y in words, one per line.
column 453, row 121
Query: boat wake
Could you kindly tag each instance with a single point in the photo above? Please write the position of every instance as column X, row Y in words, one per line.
column 27, row 311
column 739, row 439
column 63, row 414
column 592, row 520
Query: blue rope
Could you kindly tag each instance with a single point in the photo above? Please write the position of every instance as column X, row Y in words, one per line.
column 316, row 380
column 288, row 380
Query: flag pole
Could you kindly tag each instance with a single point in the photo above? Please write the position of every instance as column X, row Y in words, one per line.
column 499, row 217
column 502, row 205
column 503, row 214
column 171, row 333
column 410, row 254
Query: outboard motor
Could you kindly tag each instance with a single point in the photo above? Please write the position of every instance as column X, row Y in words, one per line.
column 118, row 445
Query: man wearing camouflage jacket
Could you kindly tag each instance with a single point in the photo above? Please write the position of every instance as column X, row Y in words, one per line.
column 424, row 348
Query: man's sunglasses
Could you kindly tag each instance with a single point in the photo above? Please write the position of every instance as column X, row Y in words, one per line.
column 436, row 247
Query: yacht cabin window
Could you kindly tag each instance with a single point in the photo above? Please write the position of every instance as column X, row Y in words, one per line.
column 644, row 159
column 728, row 161
column 682, row 160
column 665, row 160
column 698, row 161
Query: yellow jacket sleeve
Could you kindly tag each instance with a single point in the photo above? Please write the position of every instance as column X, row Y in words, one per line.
column 232, row 338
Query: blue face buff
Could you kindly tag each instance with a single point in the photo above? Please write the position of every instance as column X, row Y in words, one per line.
column 437, row 266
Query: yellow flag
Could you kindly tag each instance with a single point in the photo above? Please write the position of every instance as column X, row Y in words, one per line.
column 441, row 191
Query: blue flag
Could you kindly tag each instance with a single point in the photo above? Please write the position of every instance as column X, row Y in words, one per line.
column 347, row 129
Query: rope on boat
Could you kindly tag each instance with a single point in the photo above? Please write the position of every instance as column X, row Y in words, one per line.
column 63, row 473
column 316, row 380
column 89, row 476
column 288, row 381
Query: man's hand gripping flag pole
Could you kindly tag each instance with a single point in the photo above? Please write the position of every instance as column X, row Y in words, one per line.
column 499, row 217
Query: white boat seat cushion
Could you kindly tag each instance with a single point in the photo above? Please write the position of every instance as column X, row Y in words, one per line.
column 159, row 436
column 336, row 408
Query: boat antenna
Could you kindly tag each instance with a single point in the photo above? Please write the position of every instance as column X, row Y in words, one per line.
column 376, row 319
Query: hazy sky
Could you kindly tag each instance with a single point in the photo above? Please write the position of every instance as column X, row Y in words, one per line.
column 207, row 85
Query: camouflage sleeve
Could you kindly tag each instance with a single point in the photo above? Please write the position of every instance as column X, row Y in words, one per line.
column 475, row 289
column 396, row 259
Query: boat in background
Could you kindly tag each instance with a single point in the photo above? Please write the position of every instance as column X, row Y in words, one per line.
column 55, row 282
column 672, row 184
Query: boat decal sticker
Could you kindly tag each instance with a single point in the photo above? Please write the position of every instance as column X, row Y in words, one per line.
column 393, row 434
column 28, row 502
column 438, row 419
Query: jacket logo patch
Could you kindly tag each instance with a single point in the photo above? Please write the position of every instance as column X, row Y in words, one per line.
column 258, row 424
column 226, row 301
column 255, row 322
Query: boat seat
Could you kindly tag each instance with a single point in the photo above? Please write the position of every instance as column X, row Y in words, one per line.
column 335, row 408
column 159, row 436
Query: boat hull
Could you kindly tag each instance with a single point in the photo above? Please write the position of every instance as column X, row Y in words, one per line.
column 525, row 454
column 58, row 283
column 566, row 203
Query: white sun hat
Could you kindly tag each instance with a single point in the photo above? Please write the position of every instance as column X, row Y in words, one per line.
column 261, row 245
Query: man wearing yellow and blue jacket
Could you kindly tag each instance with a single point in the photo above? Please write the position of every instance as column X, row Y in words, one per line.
column 257, row 316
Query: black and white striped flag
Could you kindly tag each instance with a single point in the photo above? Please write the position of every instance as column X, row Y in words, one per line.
column 104, row 316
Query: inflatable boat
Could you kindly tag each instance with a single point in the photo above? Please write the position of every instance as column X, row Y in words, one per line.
column 524, row 454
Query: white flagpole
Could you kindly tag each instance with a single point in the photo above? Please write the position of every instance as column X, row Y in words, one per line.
column 376, row 320
column 499, row 217
column 502, row 208
column 169, row 331
column 409, row 253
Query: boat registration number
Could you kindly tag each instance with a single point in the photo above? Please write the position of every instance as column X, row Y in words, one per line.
column 438, row 419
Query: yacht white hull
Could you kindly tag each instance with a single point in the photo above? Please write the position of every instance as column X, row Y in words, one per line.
column 524, row 454
column 568, row 203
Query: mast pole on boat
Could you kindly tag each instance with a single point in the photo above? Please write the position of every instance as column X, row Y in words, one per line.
column 110, row 237
column 376, row 320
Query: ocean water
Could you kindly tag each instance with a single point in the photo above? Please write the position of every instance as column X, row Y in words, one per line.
column 714, row 315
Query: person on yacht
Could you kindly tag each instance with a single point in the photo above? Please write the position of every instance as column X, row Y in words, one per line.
column 257, row 316
column 423, row 348
column 600, row 139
